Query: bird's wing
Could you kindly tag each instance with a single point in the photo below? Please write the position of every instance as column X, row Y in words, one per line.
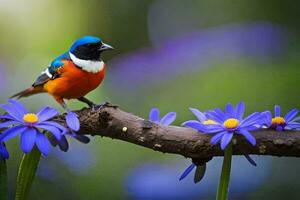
column 52, row 71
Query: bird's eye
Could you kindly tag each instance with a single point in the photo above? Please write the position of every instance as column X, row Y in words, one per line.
column 88, row 45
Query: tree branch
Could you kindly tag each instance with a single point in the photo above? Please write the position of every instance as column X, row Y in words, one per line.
column 112, row 122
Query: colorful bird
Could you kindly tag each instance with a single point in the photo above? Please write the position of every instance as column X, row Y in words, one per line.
column 73, row 74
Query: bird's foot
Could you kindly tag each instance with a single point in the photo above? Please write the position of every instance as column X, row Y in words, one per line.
column 65, row 107
column 103, row 105
column 94, row 108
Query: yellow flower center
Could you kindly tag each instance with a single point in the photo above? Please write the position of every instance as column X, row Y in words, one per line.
column 30, row 118
column 231, row 123
column 278, row 120
column 209, row 121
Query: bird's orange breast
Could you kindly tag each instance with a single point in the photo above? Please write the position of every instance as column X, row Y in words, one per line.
column 73, row 82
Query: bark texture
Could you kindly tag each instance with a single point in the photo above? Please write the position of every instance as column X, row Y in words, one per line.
column 110, row 121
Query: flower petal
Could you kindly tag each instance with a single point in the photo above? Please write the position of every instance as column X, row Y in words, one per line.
column 46, row 113
column 3, row 152
column 213, row 128
column 200, row 115
column 52, row 129
column 20, row 107
column 226, row 140
column 296, row 119
column 6, row 116
column 43, row 143
column 216, row 116
column 81, row 138
column 8, row 123
column 63, row 144
column 217, row 137
column 11, row 132
column 250, row 160
column 293, row 123
column 290, row 115
column 168, row 119
column 239, row 112
column 186, row 123
column 28, row 139
column 248, row 136
column 253, row 127
column 12, row 111
column 195, row 125
column 292, row 126
column 187, row 171
column 72, row 121
column 221, row 114
column 267, row 118
column 55, row 124
column 250, row 119
column 277, row 110
column 229, row 110
column 154, row 115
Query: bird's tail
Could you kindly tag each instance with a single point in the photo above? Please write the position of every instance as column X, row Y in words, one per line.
column 28, row 92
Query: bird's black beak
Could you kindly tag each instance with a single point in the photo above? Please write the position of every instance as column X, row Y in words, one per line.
column 105, row 47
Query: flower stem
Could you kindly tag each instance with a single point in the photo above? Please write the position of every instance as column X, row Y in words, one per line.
column 223, row 187
column 3, row 180
column 27, row 170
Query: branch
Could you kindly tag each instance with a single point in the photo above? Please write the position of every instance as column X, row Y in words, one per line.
column 112, row 122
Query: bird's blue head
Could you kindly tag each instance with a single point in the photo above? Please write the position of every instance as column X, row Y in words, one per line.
column 89, row 48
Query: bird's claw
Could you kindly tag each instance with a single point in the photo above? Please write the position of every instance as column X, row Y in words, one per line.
column 103, row 105
column 95, row 108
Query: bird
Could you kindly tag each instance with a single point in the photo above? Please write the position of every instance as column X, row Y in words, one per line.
column 73, row 74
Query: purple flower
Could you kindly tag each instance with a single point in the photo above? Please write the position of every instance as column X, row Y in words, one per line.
column 279, row 123
column 205, row 121
column 29, row 126
column 229, row 122
column 3, row 152
column 73, row 126
column 166, row 120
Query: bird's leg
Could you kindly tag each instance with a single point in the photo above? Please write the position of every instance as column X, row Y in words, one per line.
column 107, row 104
column 62, row 103
column 94, row 106
column 91, row 104
column 88, row 102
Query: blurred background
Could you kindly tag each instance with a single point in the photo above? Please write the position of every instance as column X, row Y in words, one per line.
column 170, row 54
